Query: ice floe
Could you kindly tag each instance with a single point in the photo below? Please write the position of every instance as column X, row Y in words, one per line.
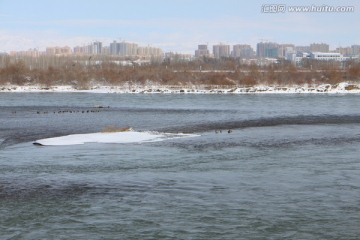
column 110, row 137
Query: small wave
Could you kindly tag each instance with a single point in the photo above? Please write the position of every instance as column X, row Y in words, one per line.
column 266, row 122
column 21, row 192
column 172, row 110
column 265, row 144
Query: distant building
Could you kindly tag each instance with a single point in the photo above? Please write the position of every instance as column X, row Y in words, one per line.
column 290, row 53
column 58, row 51
column 291, row 56
column 123, row 49
column 355, row 49
column 327, row 56
column 178, row 57
column 284, row 49
column 319, row 47
column 148, row 51
column 97, row 48
column 320, row 56
column 221, row 50
column 105, row 50
column 346, row 51
column 302, row 48
column 126, row 49
column 299, row 57
column 79, row 50
column 29, row 53
column 114, row 48
column 94, row 48
column 202, row 51
column 267, row 50
column 242, row 51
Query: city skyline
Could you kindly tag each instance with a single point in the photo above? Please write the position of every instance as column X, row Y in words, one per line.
column 125, row 48
column 177, row 26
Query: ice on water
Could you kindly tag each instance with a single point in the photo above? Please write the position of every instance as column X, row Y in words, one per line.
column 110, row 137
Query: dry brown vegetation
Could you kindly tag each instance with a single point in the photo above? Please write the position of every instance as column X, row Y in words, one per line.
column 206, row 71
column 113, row 129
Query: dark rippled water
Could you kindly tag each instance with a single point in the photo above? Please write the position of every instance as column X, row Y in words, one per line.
column 290, row 168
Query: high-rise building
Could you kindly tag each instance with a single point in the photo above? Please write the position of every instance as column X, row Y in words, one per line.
column 105, row 50
column 242, row 51
column 97, row 48
column 284, row 49
column 302, row 48
column 78, row 50
column 114, row 48
column 58, row 50
column 126, row 49
column 28, row 53
column 178, row 57
column 123, row 49
column 345, row 51
column 221, row 50
column 202, row 51
column 94, row 48
column 149, row 52
column 319, row 47
column 355, row 49
column 267, row 50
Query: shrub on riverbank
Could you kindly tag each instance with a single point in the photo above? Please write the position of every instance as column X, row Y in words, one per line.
column 218, row 73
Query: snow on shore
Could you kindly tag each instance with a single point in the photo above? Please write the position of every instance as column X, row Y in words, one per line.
column 109, row 137
column 343, row 87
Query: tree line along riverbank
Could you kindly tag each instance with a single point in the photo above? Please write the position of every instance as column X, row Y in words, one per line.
column 229, row 72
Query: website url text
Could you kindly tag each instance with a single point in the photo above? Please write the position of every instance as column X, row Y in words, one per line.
column 282, row 8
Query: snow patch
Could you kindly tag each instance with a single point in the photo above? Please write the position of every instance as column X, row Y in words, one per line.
column 112, row 137
column 343, row 87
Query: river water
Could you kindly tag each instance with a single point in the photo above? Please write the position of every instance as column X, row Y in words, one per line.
column 289, row 169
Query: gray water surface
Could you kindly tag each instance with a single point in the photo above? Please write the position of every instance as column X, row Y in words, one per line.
column 290, row 168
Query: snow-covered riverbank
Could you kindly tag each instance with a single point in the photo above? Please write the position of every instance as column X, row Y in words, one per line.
column 324, row 88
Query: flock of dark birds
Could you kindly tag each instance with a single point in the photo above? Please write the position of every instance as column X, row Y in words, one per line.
column 69, row 111
column 220, row 131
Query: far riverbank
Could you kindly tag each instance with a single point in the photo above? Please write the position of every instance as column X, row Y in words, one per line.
column 344, row 87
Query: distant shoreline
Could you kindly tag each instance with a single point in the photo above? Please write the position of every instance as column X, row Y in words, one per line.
column 343, row 87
